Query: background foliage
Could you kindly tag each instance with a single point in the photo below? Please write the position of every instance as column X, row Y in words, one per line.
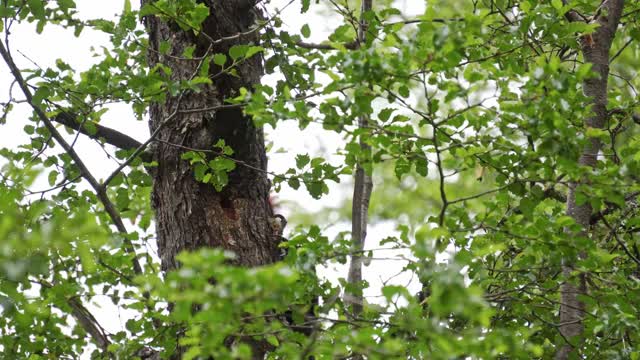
column 476, row 123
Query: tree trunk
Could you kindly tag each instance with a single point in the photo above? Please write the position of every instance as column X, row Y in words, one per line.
column 595, row 49
column 190, row 214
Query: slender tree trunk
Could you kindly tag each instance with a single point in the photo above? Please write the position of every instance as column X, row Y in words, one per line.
column 595, row 49
column 362, row 188
column 190, row 214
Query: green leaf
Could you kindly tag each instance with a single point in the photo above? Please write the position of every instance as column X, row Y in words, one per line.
column 238, row 51
column 305, row 30
column 37, row 8
column 305, row 6
column 403, row 166
column 385, row 114
column 404, row 91
column 253, row 50
column 66, row 4
column 597, row 133
column 294, row 183
column 198, row 15
column 219, row 59
column 42, row 93
column 273, row 340
column 53, row 177
column 188, row 52
column 422, row 166
column 302, row 160
column 192, row 353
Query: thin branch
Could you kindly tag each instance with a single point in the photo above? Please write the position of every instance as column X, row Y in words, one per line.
column 443, row 193
column 573, row 15
column 84, row 317
column 420, row 21
column 110, row 136
column 614, row 234
column 354, row 44
column 621, row 50
column 125, row 142
column 242, row 163
column 305, row 45
column 139, row 150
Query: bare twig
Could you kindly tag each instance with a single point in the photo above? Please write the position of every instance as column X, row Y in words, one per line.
column 110, row 136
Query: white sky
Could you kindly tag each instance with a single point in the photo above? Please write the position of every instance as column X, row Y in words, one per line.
column 56, row 43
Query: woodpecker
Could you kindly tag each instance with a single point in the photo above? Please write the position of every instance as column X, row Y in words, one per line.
column 278, row 223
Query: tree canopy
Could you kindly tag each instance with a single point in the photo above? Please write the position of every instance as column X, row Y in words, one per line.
column 478, row 176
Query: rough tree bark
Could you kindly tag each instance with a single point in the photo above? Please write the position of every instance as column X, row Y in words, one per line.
column 190, row 214
column 595, row 48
